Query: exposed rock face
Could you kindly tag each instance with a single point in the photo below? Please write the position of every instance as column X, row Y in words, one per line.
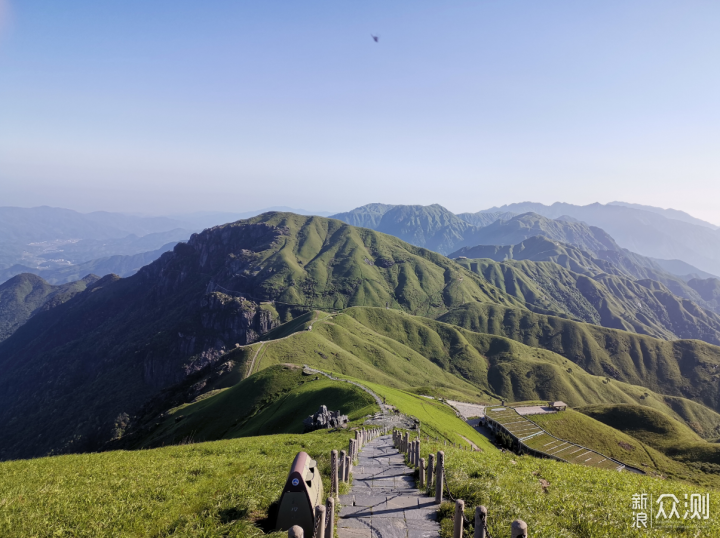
column 324, row 419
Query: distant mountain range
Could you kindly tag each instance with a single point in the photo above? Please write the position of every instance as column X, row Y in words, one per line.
column 648, row 232
column 438, row 229
column 74, row 366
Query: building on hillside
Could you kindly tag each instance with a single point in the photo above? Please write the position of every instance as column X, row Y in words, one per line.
column 558, row 406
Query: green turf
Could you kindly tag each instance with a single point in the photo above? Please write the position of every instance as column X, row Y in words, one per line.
column 437, row 420
column 578, row 501
column 409, row 352
column 579, row 428
column 275, row 400
column 211, row 490
column 688, row 369
column 661, row 432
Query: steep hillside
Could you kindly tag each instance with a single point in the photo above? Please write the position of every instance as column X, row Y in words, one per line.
column 665, row 434
column 24, row 295
column 432, row 227
column 708, row 289
column 681, row 368
column 400, row 351
column 618, row 302
column 109, row 350
column 275, row 400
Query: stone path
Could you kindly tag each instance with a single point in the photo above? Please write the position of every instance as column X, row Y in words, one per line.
column 383, row 501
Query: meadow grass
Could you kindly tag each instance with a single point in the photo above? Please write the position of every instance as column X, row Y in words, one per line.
column 578, row 502
column 214, row 489
column 437, row 420
column 275, row 400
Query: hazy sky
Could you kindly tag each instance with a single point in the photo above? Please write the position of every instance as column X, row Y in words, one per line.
column 170, row 106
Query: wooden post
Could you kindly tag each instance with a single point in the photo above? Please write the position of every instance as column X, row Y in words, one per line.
column 343, row 457
column 411, row 455
column 296, row 531
column 350, row 448
column 431, row 462
column 334, row 485
column 480, row 521
column 417, row 451
column 458, row 524
column 519, row 529
column 330, row 514
column 439, row 468
column 422, row 474
column 348, row 465
column 320, row 521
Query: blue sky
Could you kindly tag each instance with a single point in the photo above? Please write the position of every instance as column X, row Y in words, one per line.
column 172, row 106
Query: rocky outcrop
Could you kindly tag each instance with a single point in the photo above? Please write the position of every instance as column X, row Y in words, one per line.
column 324, row 419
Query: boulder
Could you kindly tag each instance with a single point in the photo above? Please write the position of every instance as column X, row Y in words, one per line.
column 324, row 419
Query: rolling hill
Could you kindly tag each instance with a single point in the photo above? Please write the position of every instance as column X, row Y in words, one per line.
column 618, row 263
column 680, row 368
column 112, row 348
column 415, row 354
column 672, row 438
column 115, row 349
column 614, row 301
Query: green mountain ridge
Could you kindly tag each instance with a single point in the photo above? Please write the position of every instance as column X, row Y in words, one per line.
column 25, row 295
column 681, row 368
column 115, row 348
column 640, row 306
column 617, row 263
column 111, row 349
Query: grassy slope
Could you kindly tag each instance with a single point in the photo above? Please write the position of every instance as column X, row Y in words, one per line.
column 684, row 368
column 275, row 400
column 407, row 352
column 210, row 489
column 659, row 431
column 344, row 345
column 221, row 488
column 582, row 429
column 436, row 419
column 579, row 502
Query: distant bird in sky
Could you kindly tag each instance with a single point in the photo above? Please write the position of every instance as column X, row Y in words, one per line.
column 375, row 37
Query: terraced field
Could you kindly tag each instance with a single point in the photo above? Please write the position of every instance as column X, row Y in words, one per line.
column 534, row 439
